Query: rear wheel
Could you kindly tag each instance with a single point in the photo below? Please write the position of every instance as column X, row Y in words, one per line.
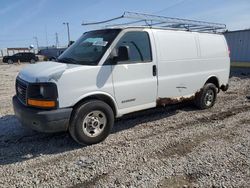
column 32, row 61
column 206, row 97
column 91, row 122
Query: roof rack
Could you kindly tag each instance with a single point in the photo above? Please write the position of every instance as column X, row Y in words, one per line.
column 147, row 20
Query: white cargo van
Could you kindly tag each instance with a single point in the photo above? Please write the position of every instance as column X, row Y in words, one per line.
column 115, row 71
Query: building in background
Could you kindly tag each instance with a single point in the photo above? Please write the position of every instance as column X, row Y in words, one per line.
column 239, row 45
column 12, row 51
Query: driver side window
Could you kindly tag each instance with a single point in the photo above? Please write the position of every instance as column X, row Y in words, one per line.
column 139, row 46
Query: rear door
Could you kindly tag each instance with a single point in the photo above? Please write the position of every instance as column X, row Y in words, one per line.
column 135, row 81
column 28, row 57
column 23, row 57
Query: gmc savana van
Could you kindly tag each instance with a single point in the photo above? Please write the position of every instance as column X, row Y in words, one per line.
column 111, row 72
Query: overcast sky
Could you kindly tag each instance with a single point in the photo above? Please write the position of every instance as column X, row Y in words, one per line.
column 22, row 20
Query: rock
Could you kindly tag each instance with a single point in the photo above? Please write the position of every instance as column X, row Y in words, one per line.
column 85, row 162
column 28, row 156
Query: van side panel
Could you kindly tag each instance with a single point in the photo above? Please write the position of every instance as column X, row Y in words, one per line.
column 174, row 46
column 214, row 51
column 184, row 65
column 212, row 46
column 185, row 61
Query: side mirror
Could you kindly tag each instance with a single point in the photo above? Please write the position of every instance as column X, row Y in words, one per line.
column 121, row 54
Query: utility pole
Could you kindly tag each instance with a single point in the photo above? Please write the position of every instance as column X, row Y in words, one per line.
column 36, row 40
column 57, row 40
column 46, row 36
column 67, row 24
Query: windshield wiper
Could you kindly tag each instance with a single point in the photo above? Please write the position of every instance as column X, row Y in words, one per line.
column 67, row 60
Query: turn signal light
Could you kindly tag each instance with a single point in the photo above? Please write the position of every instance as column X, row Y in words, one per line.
column 41, row 103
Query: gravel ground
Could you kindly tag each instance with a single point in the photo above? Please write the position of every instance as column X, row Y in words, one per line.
column 176, row 146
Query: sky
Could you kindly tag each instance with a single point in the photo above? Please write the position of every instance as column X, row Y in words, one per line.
column 22, row 20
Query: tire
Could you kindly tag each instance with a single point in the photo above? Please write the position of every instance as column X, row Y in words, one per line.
column 32, row 61
column 10, row 61
column 91, row 122
column 206, row 97
column 53, row 59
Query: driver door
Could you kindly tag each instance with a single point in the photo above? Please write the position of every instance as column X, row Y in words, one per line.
column 135, row 80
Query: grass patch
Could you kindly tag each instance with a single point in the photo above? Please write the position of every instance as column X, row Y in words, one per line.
column 241, row 64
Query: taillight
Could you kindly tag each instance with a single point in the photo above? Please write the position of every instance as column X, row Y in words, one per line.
column 229, row 52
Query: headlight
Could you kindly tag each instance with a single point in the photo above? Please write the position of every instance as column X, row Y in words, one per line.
column 43, row 95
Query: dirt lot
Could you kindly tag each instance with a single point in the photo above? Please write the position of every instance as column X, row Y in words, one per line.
column 176, row 146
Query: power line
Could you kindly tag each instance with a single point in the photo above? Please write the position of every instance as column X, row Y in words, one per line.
column 170, row 7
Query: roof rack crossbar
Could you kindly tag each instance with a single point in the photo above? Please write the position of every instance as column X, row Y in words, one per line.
column 102, row 22
column 208, row 29
column 167, row 22
column 157, row 23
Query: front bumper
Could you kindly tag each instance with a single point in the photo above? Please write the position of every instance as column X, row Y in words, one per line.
column 42, row 120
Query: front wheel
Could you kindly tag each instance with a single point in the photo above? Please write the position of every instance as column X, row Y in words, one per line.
column 53, row 59
column 10, row 61
column 206, row 97
column 91, row 122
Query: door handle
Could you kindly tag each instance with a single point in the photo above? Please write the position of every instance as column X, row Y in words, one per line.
column 154, row 70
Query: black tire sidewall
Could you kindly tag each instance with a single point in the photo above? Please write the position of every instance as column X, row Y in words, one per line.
column 79, row 115
column 10, row 61
column 200, row 100
column 32, row 61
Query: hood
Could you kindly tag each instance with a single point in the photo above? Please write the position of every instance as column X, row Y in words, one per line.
column 43, row 71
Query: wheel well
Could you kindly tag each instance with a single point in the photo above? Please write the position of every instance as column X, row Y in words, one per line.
column 101, row 97
column 214, row 81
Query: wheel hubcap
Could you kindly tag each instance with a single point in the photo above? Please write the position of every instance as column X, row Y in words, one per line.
column 94, row 123
column 209, row 97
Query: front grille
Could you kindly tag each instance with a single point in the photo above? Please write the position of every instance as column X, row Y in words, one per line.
column 21, row 90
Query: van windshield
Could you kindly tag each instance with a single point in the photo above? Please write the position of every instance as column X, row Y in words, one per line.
column 89, row 48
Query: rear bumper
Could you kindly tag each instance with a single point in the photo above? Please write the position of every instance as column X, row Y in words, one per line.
column 42, row 120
